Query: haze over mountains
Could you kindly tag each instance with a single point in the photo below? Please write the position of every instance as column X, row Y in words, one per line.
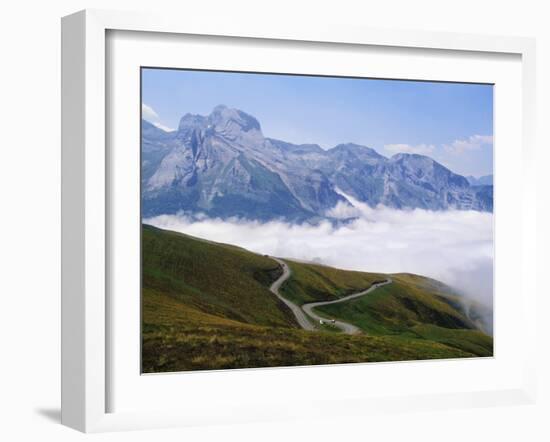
column 223, row 166
column 485, row 180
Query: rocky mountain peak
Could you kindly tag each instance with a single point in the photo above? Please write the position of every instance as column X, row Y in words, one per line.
column 189, row 122
column 356, row 150
column 224, row 119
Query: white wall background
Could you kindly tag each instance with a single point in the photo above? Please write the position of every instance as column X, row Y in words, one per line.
column 30, row 221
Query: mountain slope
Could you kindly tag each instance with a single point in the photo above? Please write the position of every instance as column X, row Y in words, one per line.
column 395, row 308
column 315, row 282
column 218, row 279
column 207, row 305
column 411, row 306
column 222, row 165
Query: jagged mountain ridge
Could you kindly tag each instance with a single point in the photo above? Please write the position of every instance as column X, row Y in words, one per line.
column 222, row 165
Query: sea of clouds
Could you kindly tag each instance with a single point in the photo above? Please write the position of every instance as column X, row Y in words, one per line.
column 455, row 247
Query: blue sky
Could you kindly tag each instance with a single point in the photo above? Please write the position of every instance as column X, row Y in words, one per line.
column 451, row 122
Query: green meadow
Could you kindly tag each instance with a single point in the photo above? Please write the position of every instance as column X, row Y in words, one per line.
column 208, row 306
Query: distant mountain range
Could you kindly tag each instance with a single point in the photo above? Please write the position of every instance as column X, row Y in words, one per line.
column 221, row 165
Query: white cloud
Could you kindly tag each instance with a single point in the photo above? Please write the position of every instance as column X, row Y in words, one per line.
column 149, row 114
column 422, row 149
column 343, row 210
column 163, row 127
column 474, row 142
column 455, row 247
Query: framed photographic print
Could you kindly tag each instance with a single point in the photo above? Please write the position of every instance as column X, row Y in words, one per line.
column 258, row 251
column 270, row 223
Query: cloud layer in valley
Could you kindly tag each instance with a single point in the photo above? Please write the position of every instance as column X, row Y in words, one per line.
column 455, row 247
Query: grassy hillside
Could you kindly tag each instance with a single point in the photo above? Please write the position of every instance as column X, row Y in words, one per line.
column 177, row 337
column 478, row 314
column 208, row 306
column 313, row 282
column 394, row 308
column 219, row 279
column 413, row 307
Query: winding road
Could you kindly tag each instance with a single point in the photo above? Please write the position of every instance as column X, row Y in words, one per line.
column 346, row 327
column 302, row 313
column 298, row 312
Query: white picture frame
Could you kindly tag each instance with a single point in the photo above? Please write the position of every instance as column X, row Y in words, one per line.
column 86, row 208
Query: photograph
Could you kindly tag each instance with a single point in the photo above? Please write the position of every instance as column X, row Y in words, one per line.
column 299, row 220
